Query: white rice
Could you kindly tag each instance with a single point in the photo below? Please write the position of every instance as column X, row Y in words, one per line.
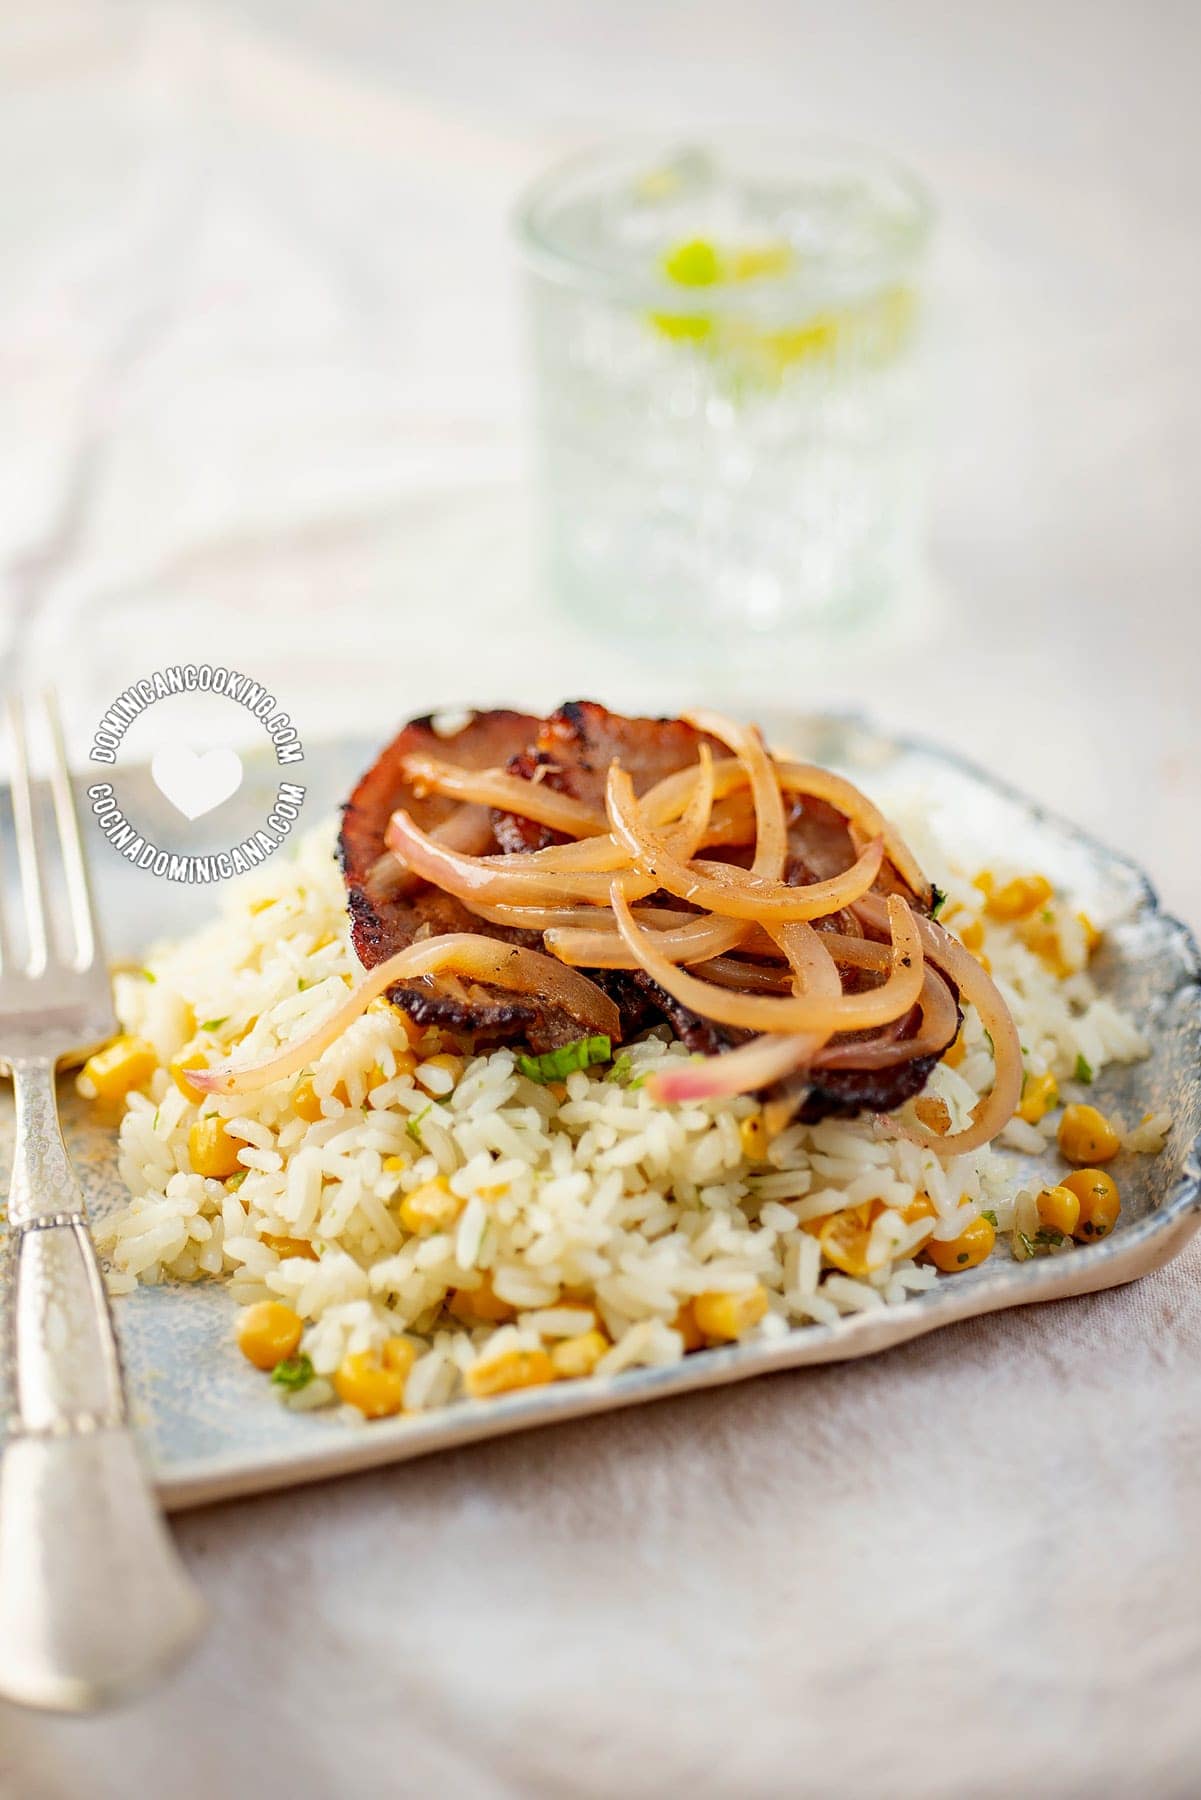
column 597, row 1206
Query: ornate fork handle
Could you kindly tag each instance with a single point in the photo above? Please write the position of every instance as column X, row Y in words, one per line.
column 94, row 1600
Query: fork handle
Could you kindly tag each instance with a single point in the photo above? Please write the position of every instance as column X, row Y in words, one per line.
column 94, row 1600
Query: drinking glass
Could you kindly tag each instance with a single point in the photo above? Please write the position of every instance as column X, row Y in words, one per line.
column 726, row 383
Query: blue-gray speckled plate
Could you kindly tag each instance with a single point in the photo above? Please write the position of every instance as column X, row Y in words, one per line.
column 210, row 1424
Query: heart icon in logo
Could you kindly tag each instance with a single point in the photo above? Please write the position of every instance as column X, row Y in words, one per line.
column 196, row 781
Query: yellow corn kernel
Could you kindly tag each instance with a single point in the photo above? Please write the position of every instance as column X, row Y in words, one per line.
column 268, row 1333
column 1092, row 937
column 305, row 1102
column 954, row 1054
column 685, row 1323
column 178, row 1068
column 431, row 1207
column 973, row 1245
column 1059, row 1210
column 211, row 1150
column 399, row 1355
column 573, row 1358
column 511, row 1369
column 920, row 1207
column 366, row 1381
column 480, row 1303
column 844, row 1237
column 1019, row 898
column 393, row 1165
column 451, row 1066
column 971, row 934
column 933, row 1113
column 986, row 881
column 1100, row 1203
column 1039, row 1094
column 124, row 1064
column 406, row 1064
column 1086, row 1135
column 729, row 1316
column 752, row 1134
column 290, row 1246
column 1042, row 936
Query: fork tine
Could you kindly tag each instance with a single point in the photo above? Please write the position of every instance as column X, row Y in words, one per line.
column 32, row 889
column 75, row 868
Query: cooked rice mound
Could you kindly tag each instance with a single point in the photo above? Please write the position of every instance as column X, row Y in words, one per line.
column 572, row 1206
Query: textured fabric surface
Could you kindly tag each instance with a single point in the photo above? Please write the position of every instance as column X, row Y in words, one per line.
column 969, row 1567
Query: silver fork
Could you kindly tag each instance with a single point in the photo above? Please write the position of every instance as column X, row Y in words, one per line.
column 94, row 1600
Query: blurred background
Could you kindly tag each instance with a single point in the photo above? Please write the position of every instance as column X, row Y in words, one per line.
column 266, row 388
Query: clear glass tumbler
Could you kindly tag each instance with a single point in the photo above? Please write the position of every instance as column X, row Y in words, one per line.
column 726, row 382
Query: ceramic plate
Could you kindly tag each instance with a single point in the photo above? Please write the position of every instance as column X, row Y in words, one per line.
column 211, row 1426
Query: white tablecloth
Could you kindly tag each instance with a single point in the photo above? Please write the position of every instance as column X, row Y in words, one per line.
column 259, row 357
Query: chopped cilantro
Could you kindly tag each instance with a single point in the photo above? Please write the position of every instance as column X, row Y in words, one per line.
column 991, row 1217
column 1027, row 1246
column 622, row 1067
column 148, row 975
column 301, row 985
column 294, row 1373
column 413, row 1125
column 215, row 1024
column 236, row 1180
column 1046, row 1236
column 1047, row 915
column 938, row 900
column 557, row 1065
column 1084, row 1070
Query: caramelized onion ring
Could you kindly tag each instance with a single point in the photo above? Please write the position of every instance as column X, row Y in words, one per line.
column 490, row 878
column 760, row 1063
column 746, row 977
column 469, row 829
column 798, row 1012
column 697, row 941
column 771, row 832
column 864, row 816
column 937, row 1030
column 478, row 958
column 766, row 1059
column 807, row 780
column 508, row 793
column 533, row 879
column 991, row 1114
column 731, row 893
